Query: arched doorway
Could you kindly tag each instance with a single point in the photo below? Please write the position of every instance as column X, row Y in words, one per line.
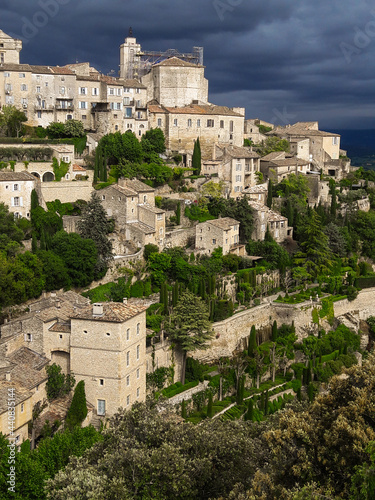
column 48, row 177
column 35, row 174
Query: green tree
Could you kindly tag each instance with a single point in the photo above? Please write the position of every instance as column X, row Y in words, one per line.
column 269, row 194
column 54, row 270
column 213, row 189
column 74, row 128
column 210, row 410
column 155, row 138
column 189, row 326
column 78, row 409
column 252, row 341
column 58, row 383
column 95, row 225
column 11, row 121
column 79, row 255
column 197, row 158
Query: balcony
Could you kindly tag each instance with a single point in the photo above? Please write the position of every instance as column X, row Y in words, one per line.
column 62, row 107
column 45, row 107
column 140, row 105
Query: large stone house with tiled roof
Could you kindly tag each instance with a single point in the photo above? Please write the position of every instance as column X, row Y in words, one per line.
column 237, row 169
column 278, row 165
column 277, row 223
column 223, row 232
column 132, row 204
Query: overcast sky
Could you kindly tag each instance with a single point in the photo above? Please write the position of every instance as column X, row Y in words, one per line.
column 283, row 60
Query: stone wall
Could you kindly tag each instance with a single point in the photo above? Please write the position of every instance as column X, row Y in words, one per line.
column 179, row 237
column 66, row 191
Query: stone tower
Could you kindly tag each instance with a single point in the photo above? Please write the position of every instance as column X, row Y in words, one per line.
column 128, row 59
column 10, row 49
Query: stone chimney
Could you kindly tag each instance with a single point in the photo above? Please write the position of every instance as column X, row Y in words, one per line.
column 125, row 301
column 97, row 309
column 7, row 376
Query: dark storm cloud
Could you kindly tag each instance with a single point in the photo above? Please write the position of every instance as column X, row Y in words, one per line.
column 281, row 59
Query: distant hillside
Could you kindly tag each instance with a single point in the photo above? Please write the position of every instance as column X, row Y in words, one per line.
column 360, row 145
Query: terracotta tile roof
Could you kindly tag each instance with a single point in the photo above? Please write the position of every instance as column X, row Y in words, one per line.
column 136, row 185
column 132, row 83
column 288, row 162
column 121, row 189
column 224, row 223
column 15, row 67
column 152, row 209
column 203, row 109
column 275, row 155
column 302, row 129
column 60, row 327
column 239, row 152
column 175, row 61
column 272, row 216
column 156, row 108
column 78, row 168
column 114, row 312
column 15, row 176
column 144, row 228
column 20, row 394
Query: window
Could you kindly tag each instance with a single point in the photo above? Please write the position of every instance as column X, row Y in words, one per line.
column 198, row 123
column 84, row 117
column 236, row 189
column 119, row 91
column 103, row 196
column 16, row 201
column 159, row 216
column 238, row 178
column 6, row 75
column 28, row 337
column 138, row 391
column 128, row 334
column 175, row 122
column 82, row 105
column 101, row 407
column 138, row 352
column 138, row 327
column 128, row 380
column 24, row 102
column 238, row 167
column 1, row 57
column 8, row 87
column 111, row 91
column 335, row 141
column 46, row 84
column 137, row 91
column 137, row 372
column 210, row 123
column 159, row 122
column 139, row 114
column 116, row 127
column 161, row 231
column 23, row 87
column 60, row 337
column 127, row 400
column 83, row 90
column 22, row 75
column 95, row 91
column 66, row 159
column 22, row 407
column 263, row 227
column 221, row 123
column 189, row 122
column 127, row 90
column 128, row 112
column 128, row 358
column 214, row 241
column 231, row 126
column 15, row 187
column 62, row 90
column 101, row 381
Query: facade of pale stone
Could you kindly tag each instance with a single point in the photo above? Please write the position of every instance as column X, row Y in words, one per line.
column 278, row 165
column 108, row 349
column 15, row 192
column 237, row 169
column 277, row 224
column 216, row 233
column 174, row 82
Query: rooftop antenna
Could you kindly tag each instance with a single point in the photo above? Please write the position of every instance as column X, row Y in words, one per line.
column 130, row 31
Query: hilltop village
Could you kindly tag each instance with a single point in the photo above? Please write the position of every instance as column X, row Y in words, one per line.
column 167, row 246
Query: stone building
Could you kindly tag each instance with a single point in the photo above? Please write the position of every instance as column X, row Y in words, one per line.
column 108, row 348
column 15, row 192
column 278, row 165
column 324, row 147
column 238, row 167
column 217, row 233
column 132, row 204
column 277, row 224
column 257, row 193
column 10, row 49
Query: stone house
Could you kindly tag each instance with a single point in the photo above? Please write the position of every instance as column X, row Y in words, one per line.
column 251, row 131
column 23, row 384
column 277, row 224
column 15, row 191
column 238, row 167
column 132, row 204
column 257, row 193
column 183, row 125
column 217, row 233
column 108, row 348
column 324, row 147
column 278, row 165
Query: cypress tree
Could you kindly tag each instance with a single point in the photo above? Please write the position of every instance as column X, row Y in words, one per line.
column 78, row 409
column 289, row 213
column 213, row 285
column 161, row 294
column 166, row 299
column 269, row 194
column 210, row 410
column 34, row 199
column 34, row 243
column 274, row 331
column 333, row 202
column 183, row 409
column 240, row 391
column 175, row 294
column 104, row 178
column 196, row 159
column 178, row 214
column 310, row 392
column 299, row 395
column 249, row 415
column 42, row 239
column 266, row 403
column 252, row 341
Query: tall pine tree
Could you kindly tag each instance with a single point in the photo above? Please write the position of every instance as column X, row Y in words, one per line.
column 197, row 158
